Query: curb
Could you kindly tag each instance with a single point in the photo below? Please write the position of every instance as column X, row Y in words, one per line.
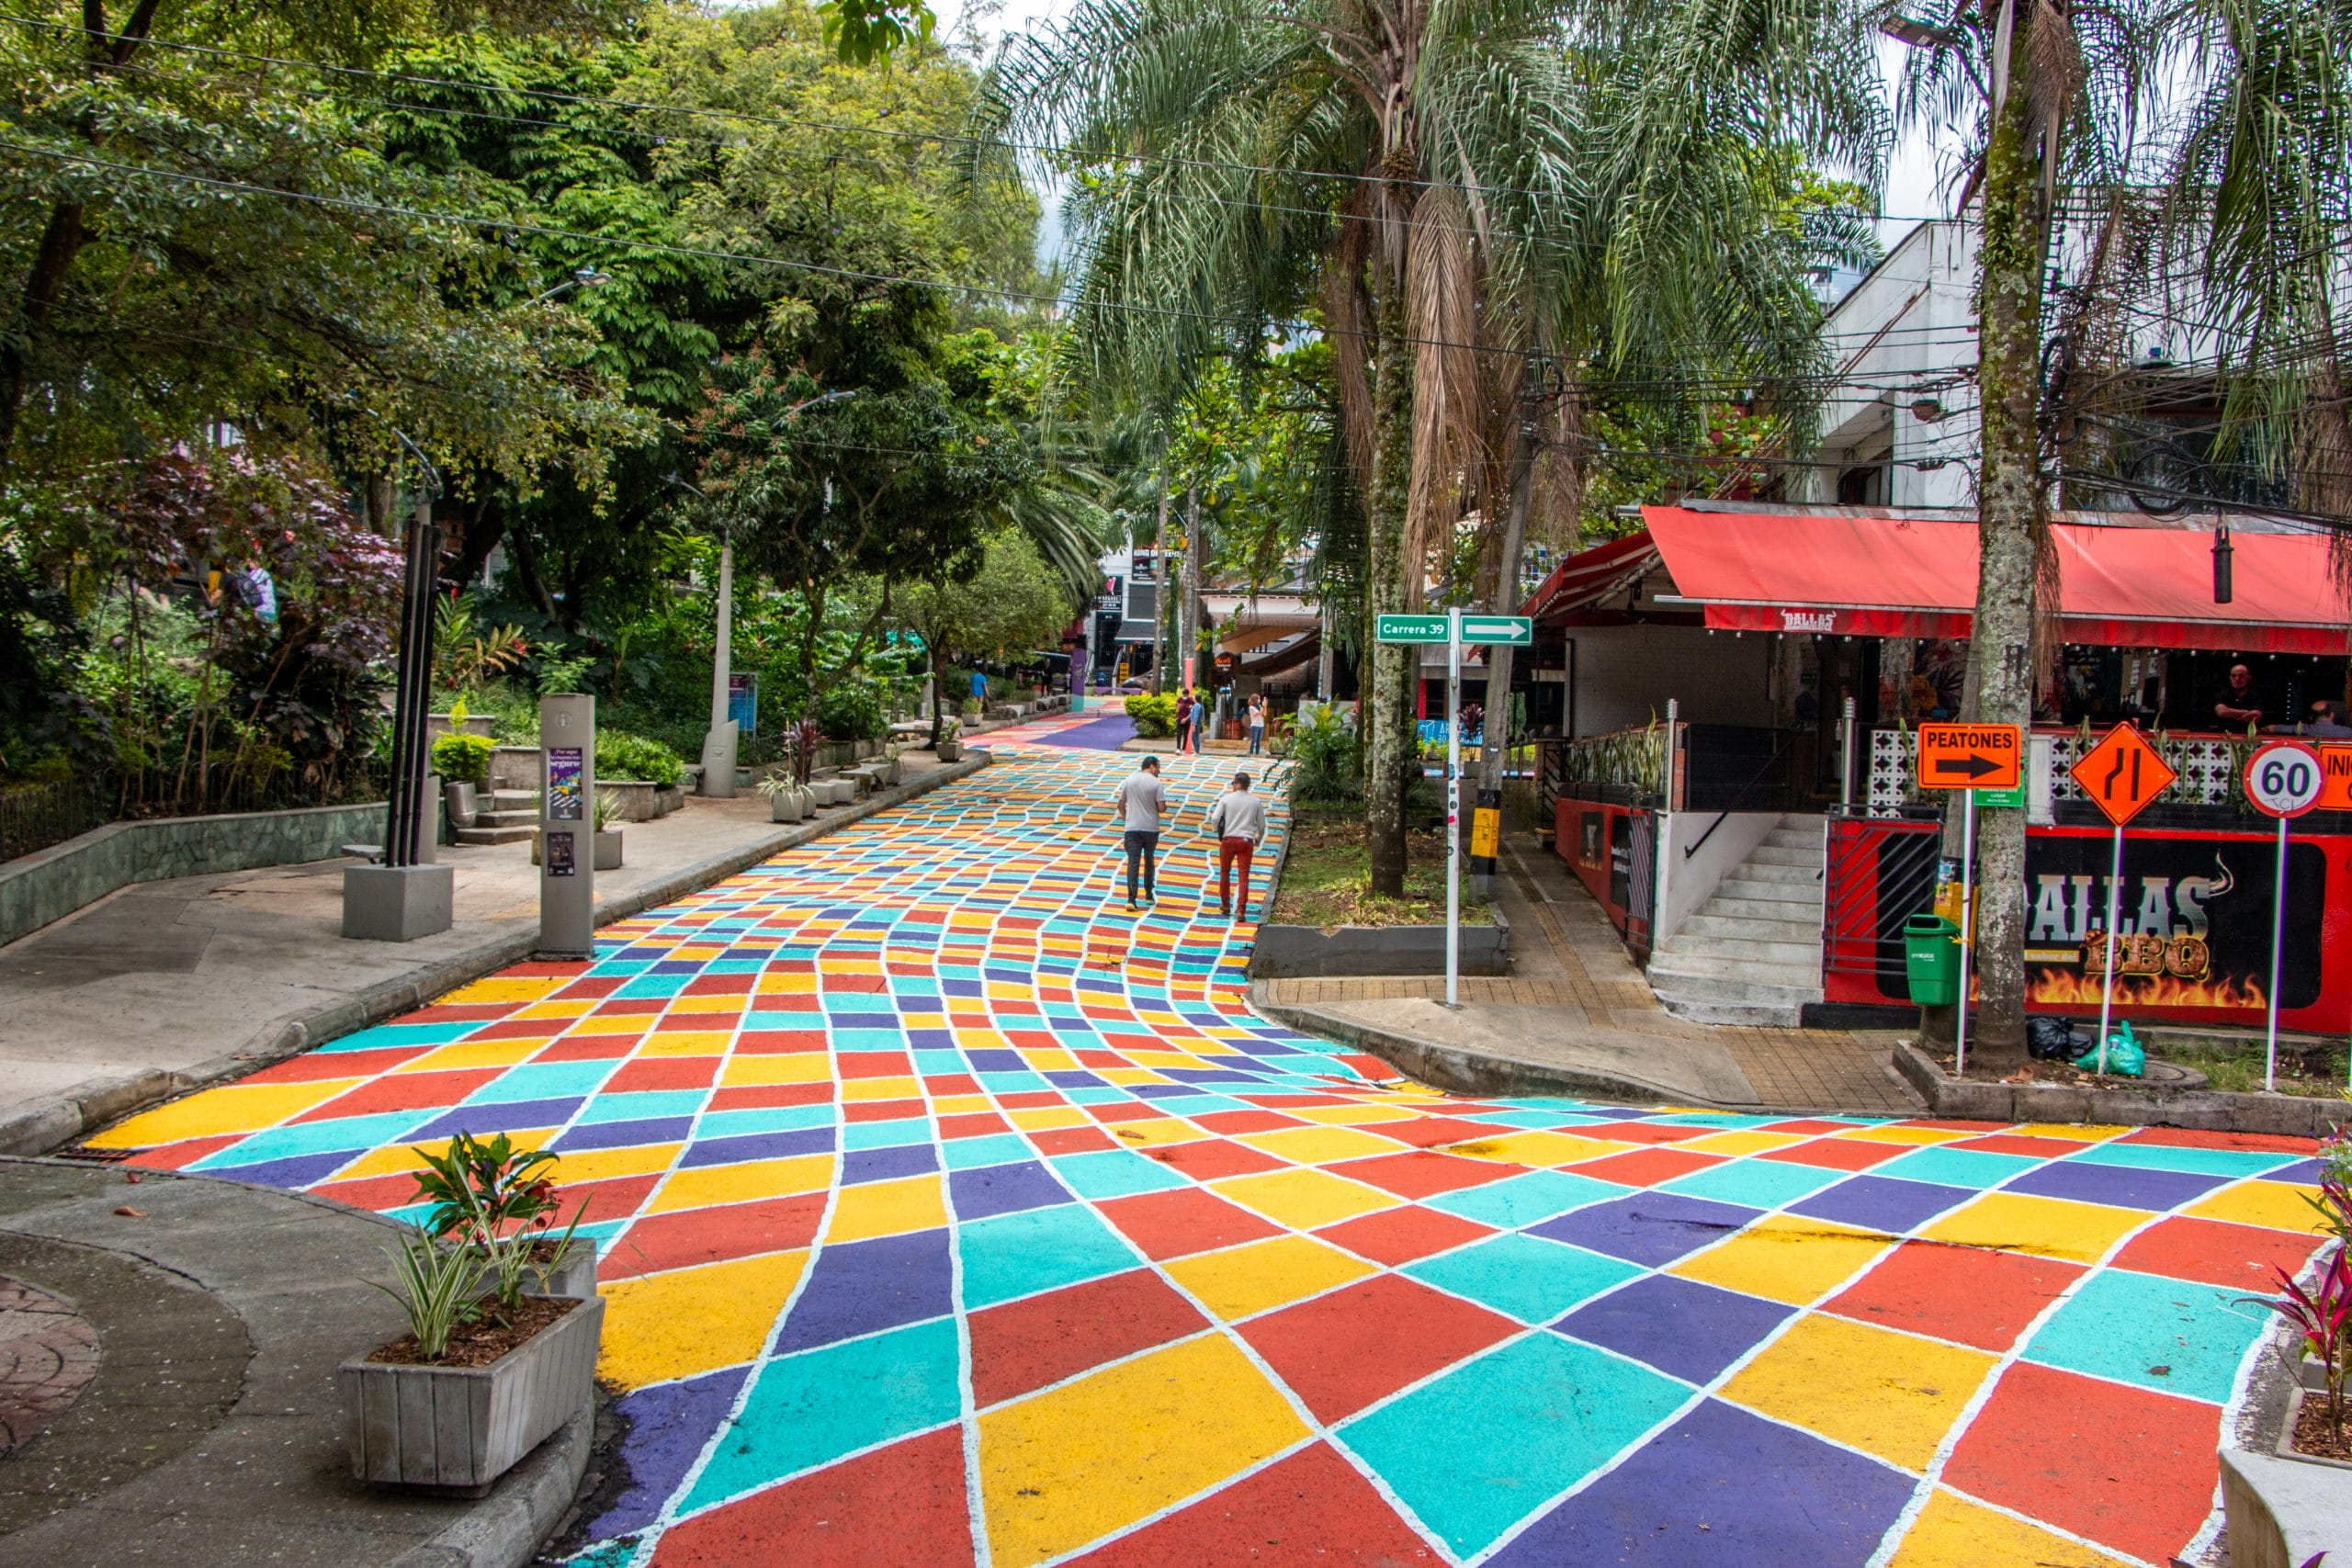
column 56, row 1121
column 2210, row 1110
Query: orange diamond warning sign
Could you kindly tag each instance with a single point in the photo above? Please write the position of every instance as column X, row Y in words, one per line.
column 2122, row 773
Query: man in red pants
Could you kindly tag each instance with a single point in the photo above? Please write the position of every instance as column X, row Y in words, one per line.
column 1238, row 822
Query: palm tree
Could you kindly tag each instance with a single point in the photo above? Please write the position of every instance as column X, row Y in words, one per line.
column 1446, row 181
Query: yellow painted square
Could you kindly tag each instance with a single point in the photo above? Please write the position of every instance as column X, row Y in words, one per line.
column 786, row 985
column 962, row 1104
column 686, row 1043
column 1318, row 1145
column 1952, row 1531
column 474, row 1054
column 1164, row 1060
column 886, row 1208
column 603, row 1165
column 674, row 1325
column 237, row 1108
column 982, row 1040
column 1741, row 1143
column 1051, row 1061
column 1892, row 1394
column 1905, row 1132
column 881, row 1088
column 1785, row 1258
column 502, row 988
column 1048, row 1118
column 2276, row 1205
column 579, row 1008
column 1154, row 1133
column 2079, row 1131
column 394, row 1159
column 2045, row 1227
column 1538, row 1149
column 1074, row 1463
column 799, row 1066
column 614, row 1024
column 1304, row 1200
column 1243, row 1281
column 706, row 1184
column 1128, row 1077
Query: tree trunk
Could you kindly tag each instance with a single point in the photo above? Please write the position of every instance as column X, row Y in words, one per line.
column 1195, row 561
column 1161, row 591
column 1387, row 689
column 1506, row 598
column 2013, row 521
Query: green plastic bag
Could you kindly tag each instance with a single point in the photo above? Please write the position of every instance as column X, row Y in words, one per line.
column 2125, row 1058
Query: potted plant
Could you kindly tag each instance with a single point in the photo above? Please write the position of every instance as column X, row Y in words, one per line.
column 783, row 799
column 608, row 837
column 489, row 1366
column 951, row 744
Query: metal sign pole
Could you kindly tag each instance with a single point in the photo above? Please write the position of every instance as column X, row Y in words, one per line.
column 1453, row 807
column 2107, row 991
column 567, row 827
column 2278, row 925
column 1967, row 920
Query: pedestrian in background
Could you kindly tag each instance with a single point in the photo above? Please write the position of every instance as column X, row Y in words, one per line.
column 1184, row 717
column 1238, row 822
column 1257, row 724
column 1140, row 802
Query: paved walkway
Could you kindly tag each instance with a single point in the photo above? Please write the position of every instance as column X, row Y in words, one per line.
column 954, row 1215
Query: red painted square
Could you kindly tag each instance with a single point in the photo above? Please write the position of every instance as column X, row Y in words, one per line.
column 1207, row 1160
column 721, row 986
column 1310, row 1511
column 904, row 1504
column 2016, row 1144
column 593, row 985
column 980, row 1123
column 867, row 984
column 1340, row 1352
column 1801, row 1124
column 1838, row 1154
column 519, row 1029
column 1643, row 1167
column 587, row 1048
column 1436, row 1132
column 663, row 1072
column 689, row 1237
column 373, row 1192
column 317, row 1067
column 1301, row 1100
column 762, row 1097
column 1073, row 1141
column 1099, row 1059
column 882, row 1109
column 779, row 1042
column 1030, row 1099
column 2215, row 1253
column 175, row 1157
column 2251, row 1143
column 874, row 1064
column 2125, row 1467
column 1422, row 1174
column 1233, row 1123
column 786, row 1001
column 455, row 1012
column 1183, row 1220
column 951, row 1083
column 1026, row 1345
column 402, row 1091
column 632, row 1007
column 615, row 1198
column 1961, row 1294
column 1372, row 1070
column 1395, row 1237
column 1125, row 1110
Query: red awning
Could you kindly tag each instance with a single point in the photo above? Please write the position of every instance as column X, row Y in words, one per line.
column 2120, row 585
column 1590, row 576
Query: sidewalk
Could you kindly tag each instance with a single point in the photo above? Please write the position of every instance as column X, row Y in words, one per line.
column 167, row 984
column 1576, row 1017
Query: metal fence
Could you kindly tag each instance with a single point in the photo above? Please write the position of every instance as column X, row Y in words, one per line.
column 35, row 817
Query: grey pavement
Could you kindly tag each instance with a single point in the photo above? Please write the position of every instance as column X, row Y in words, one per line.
column 165, row 985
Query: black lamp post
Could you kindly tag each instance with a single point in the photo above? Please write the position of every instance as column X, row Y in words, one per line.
column 408, row 810
column 2222, row 587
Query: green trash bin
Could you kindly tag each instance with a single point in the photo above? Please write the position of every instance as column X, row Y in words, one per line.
column 1931, row 960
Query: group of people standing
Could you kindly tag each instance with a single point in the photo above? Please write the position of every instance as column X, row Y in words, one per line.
column 1193, row 715
column 1237, row 823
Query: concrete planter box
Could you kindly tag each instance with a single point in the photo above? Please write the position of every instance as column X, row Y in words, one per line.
column 668, row 798
column 517, row 767
column 1294, row 952
column 786, row 806
column 437, row 725
column 465, row 1426
column 2181, row 1100
column 608, row 849
column 951, row 750
column 2284, row 1508
column 634, row 800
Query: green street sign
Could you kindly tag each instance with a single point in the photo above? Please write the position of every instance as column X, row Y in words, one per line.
column 1517, row 631
column 1409, row 628
column 2011, row 798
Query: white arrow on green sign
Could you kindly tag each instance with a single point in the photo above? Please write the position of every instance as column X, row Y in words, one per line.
column 1516, row 630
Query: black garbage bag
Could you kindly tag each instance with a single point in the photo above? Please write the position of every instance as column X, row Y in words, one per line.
column 2051, row 1040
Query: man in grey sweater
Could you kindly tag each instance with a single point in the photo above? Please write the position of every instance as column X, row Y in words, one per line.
column 1238, row 822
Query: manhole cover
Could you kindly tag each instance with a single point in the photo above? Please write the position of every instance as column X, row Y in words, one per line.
column 49, row 1353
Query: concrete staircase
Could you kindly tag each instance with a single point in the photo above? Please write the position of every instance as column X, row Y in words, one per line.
column 509, row 817
column 1752, row 953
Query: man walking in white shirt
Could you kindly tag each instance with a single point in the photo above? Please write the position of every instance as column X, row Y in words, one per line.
column 1238, row 822
column 1140, row 801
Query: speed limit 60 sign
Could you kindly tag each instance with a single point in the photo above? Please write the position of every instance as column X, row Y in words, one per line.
column 2283, row 778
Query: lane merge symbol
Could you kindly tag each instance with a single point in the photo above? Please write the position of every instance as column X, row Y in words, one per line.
column 2122, row 773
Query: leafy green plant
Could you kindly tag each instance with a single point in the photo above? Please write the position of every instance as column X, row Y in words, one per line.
column 1326, row 766
column 460, row 757
column 506, row 1184
column 851, row 710
column 433, row 1281
column 2322, row 1318
column 801, row 743
column 608, row 809
column 1154, row 716
column 558, row 674
column 973, row 708
column 620, row 755
column 464, row 657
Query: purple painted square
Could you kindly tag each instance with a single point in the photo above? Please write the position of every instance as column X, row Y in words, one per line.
column 1653, row 1228
column 994, row 1060
column 1683, row 1328
column 1004, row 1189
column 2303, row 1173
column 2126, row 1187
column 858, row 1287
column 624, row 1134
column 510, row 1117
column 759, row 1146
column 668, row 1426
column 1881, row 1202
column 1770, row 1496
column 295, row 1170
column 882, row 1164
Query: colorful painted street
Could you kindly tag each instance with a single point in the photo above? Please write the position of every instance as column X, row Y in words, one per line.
column 951, row 1213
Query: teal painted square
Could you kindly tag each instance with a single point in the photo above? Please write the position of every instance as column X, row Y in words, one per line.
column 869, row 1040
column 1114, row 1173
column 542, row 1080
column 332, row 1136
column 1438, row 1447
column 1012, row 1083
column 2119, row 1325
column 1042, row 1249
column 1101, row 1094
column 1757, row 1183
column 643, row 1105
column 654, row 985
column 937, row 1063
column 886, row 1135
column 969, row 1154
column 1525, row 1199
column 2201, row 1162
column 1725, row 1119
column 811, row 1409
column 773, row 1119
column 1956, row 1168
column 1543, row 1120
column 389, row 1035
column 1533, row 1279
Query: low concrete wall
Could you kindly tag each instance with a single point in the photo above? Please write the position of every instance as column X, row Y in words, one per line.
column 2147, row 1105
column 1287, row 953
column 39, row 888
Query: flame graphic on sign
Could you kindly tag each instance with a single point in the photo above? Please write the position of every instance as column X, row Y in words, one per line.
column 2058, row 988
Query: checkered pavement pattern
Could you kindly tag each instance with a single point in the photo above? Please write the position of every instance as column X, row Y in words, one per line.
column 950, row 1213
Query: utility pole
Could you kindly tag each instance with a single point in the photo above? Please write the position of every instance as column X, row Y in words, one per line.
column 1196, row 562
column 1163, row 584
column 1498, row 656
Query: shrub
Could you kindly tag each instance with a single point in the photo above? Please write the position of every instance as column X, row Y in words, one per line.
column 1325, row 770
column 462, row 759
column 851, row 709
column 620, row 755
column 1154, row 716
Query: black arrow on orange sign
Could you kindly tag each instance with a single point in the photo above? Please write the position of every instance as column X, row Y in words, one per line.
column 1969, row 767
